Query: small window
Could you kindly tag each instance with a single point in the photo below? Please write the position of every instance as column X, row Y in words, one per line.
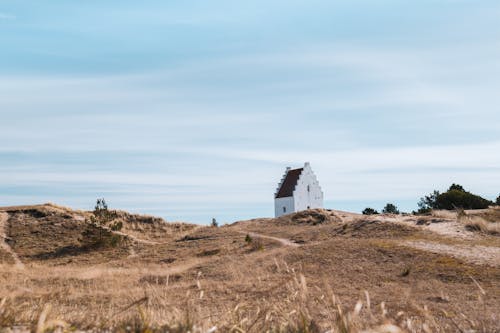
column 284, row 209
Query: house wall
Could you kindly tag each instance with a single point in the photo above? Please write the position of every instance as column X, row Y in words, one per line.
column 304, row 198
column 287, row 202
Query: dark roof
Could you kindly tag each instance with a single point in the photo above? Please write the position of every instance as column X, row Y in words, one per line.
column 288, row 186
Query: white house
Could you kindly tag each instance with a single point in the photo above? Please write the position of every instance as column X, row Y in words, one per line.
column 298, row 190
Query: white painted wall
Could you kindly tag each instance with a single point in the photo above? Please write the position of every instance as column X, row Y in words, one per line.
column 283, row 206
column 308, row 193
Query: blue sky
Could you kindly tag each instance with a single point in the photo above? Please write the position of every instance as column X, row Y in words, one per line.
column 193, row 109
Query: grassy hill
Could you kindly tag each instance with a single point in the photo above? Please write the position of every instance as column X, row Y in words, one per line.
column 313, row 271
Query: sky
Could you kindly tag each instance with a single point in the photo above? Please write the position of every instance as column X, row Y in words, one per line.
column 192, row 110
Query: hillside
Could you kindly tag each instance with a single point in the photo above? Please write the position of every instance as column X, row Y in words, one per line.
column 300, row 272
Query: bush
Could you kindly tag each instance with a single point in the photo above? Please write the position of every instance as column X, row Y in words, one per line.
column 369, row 211
column 459, row 199
column 95, row 237
column 104, row 220
column 455, row 197
column 390, row 209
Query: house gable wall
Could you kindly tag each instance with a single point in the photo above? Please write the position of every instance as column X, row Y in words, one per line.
column 308, row 193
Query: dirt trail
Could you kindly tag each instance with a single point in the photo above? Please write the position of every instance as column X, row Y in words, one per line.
column 283, row 241
column 3, row 244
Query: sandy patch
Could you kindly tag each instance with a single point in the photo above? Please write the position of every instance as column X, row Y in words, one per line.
column 475, row 254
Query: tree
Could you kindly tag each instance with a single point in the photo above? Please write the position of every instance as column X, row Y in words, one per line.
column 459, row 199
column 101, row 226
column 498, row 200
column 456, row 187
column 390, row 209
column 428, row 202
column 369, row 211
column 214, row 223
column 103, row 217
column 455, row 197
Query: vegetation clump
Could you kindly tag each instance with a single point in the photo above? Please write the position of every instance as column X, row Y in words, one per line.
column 101, row 225
column 369, row 211
column 248, row 239
column 455, row 197
column 390, row 209
column 254, row 244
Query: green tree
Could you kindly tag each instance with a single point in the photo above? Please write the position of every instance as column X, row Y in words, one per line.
column 214, row 223
column 498, row 200
column 369, row 211
column 390, row 209
column 428, row 202
column 456, row 187
column 455, row 197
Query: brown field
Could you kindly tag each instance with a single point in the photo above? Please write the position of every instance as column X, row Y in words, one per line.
column 315, row 271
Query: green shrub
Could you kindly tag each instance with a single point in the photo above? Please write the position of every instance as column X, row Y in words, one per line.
column 460, row 199
column 390, row 209
column 369, row 211
column 455, row 197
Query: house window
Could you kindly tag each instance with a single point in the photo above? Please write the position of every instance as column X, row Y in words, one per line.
column 284, row 209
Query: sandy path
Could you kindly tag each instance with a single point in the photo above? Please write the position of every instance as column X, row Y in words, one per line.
column 475, row 254
column 3, row 244
column 283, row 241
column 452, row 229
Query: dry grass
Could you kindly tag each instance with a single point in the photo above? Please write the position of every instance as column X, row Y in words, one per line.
column 200, row 278
column 301, row 308
column 487, row 222
column 444, row 214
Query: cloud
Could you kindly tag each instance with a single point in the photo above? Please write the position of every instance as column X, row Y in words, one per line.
column 376, row 125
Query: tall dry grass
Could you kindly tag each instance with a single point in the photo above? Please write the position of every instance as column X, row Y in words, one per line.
column 478, row 223
column 158, row 306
